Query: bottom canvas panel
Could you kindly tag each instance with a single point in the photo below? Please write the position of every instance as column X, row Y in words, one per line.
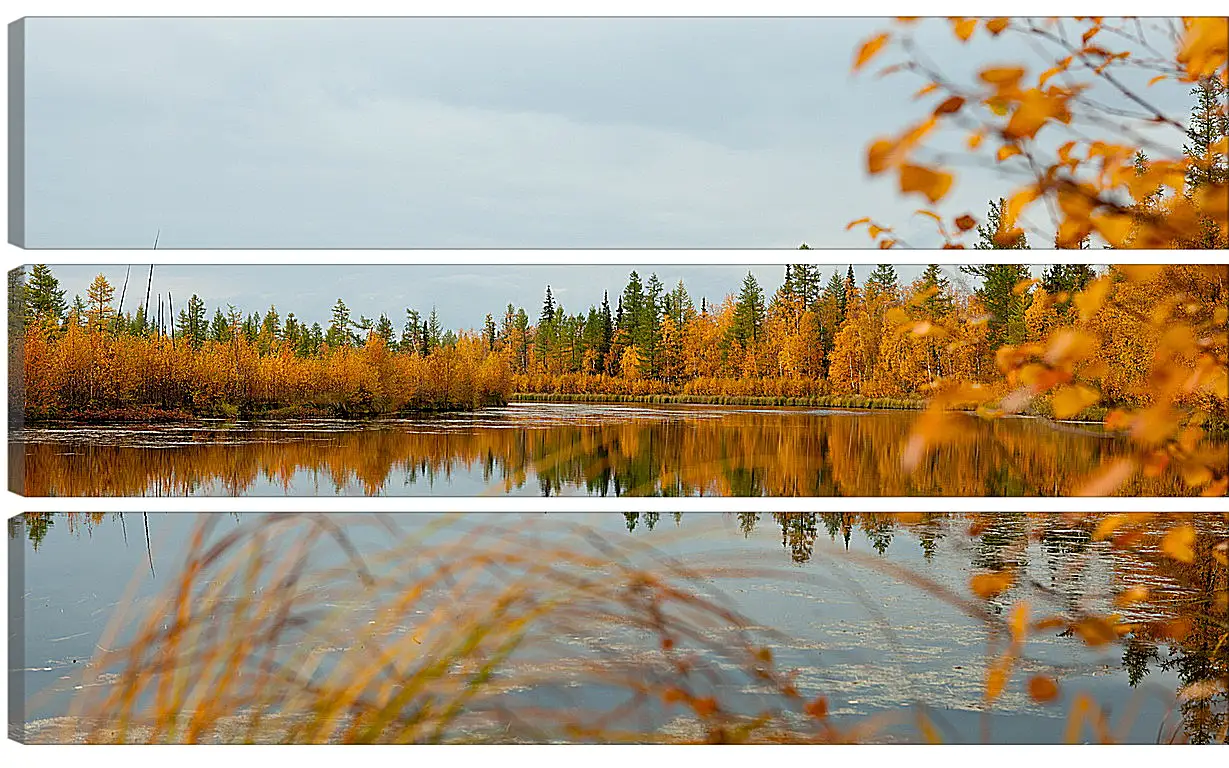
column 823, row 627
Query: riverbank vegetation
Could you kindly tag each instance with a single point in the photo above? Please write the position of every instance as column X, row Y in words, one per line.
column 281, row 628
column 96, row 363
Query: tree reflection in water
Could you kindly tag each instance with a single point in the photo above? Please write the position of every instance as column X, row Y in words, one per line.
column 614, row 452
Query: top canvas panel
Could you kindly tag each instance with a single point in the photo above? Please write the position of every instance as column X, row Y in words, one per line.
column 617, row 133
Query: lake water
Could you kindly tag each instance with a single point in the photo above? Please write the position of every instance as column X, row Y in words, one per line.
column 870, row 639
column 566, row 449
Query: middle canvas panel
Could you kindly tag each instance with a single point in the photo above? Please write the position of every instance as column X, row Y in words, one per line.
column 613, row 380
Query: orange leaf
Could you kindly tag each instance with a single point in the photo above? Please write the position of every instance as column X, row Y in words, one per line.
column 878, row 154
column 974, row 141
column 950, row 105
column 988, row 585
column 1114, row 227
column 868, row 50
column 1018, row 622
column 1113, row 474
column 964, row 28
column 1006, row 151
column 933, row 184
column 1095, row 631
column 1089, row 300
column 925, row 90
column 818, row 708
column 1042, row 689
column 1156, row 80
column 997, row 675
column 965, row 223
column 1051, row 72
column 1131, row 596
column 1069, row 401
column 856, row 222
column 1003, row 78
column 996, row 26
column 1109, row 524
column 1034, row 111
column 1179, row 543
column 1204, row 46
column 704, row 706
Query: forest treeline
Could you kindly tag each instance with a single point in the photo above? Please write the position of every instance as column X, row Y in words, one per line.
column 880, row 339
column 92, row 360
column 839, row 338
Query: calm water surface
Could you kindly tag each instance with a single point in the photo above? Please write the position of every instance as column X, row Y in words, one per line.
column 869, row 641
column 566, row 449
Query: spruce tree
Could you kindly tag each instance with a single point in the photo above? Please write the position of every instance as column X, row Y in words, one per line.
column 490, row 333
column 1208, row 124
column 339, row 329
column 44, row 297
column 1006, row 306
column 219, row 329
column 607, row 327
column 988, row 233
column 882, row 281
column 939, row 303
column 410, row 341
column 748, row 312
column 384, row 330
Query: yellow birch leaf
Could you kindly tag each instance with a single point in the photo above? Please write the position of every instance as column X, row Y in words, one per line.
column 1006, row 151
column 1131, row 595
column 1042, row 689
column 988, row 585
column 933, row 184
column 878, row 155
column 1204, row 46
column 868, row 50
column 1115, row 228
column 1089, row 300
column 1109, row 524
column 997, row 675
column 1109, row 479
column 964, row 28
column 1003, row 78
column 949, row 105
column 1069, row 401
column 1179, row 543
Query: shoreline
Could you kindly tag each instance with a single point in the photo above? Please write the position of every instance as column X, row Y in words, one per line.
column 852, row 402
column 849, row 403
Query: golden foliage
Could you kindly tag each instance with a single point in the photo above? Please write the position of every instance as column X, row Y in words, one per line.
column 89, row 371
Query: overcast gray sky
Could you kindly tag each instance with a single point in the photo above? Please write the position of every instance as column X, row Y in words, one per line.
column 463, row 293
column 478, row 132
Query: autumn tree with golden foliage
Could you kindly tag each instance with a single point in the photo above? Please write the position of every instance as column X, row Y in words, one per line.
column 1096, row 168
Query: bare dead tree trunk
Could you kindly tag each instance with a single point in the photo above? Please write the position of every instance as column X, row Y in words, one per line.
column 119, row 312
column 149, row 285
